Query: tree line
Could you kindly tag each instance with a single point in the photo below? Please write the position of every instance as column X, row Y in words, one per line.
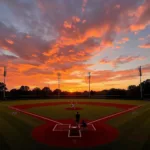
column 24, row 92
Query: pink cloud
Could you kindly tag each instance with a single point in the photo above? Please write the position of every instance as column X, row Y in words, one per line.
column 9, row 41
column 67, row 24
column 147, row 45
column 141, row 15
column 84, row 5
column 121, row 60
column 141, row 39
column 117, row 6
column 76, row 19
column 118, row 47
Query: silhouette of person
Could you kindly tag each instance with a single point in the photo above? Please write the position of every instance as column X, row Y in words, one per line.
column 77, row 118
column 83, row 124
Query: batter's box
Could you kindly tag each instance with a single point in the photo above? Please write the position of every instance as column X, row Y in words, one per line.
column 90, row 127
column 61, row 127
column 74, row 132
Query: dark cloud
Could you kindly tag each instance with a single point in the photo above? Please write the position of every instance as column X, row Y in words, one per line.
column 5, row 58
column 22, row 44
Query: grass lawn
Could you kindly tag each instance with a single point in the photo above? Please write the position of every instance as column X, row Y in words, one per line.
column 15, row 130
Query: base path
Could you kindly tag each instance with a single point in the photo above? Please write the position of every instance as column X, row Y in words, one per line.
column 103, row 133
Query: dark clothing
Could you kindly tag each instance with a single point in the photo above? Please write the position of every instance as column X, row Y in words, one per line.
column 77, row 118
column 84, row 124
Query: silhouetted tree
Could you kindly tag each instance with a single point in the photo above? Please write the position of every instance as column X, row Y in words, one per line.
column 132, row 87
column 146, row 88
column 24, row 88
column 36, row 91
column 14, row 93
column 56, row 91
column 2, row 88
column 46, row 91
column 93, row 92
column 133, row 91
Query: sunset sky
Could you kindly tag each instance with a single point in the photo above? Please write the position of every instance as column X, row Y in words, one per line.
column 109, row 38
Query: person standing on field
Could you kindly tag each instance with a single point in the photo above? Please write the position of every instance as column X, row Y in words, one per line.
column 77, row 118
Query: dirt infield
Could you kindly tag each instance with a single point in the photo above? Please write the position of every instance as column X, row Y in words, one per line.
column 27, row 106
column 75, row 108
column 102, row 134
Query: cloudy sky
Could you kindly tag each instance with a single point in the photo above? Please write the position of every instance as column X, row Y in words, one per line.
column 40, row 38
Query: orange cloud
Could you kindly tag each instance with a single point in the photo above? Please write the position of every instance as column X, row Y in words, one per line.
column 107, row 43
column 147, row 45
column 97, row 32
column 71, row 50
column 118, row 47
column 67, row 25
column 123, row 40
column 9, row 41
column 28, row 36
column 34, row 55
column 76, row 19
column 138, row 27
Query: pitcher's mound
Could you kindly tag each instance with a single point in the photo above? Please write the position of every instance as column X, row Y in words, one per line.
column 75, row 108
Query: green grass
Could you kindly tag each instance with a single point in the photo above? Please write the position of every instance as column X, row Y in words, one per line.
column 134, row 129
column 15, row 130
column 87, row 112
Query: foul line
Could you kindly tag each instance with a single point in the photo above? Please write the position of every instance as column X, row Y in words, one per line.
column 34, row 115
column 116, row 114
column 54, row 129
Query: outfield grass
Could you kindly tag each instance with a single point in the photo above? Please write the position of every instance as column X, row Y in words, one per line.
column 15, row 130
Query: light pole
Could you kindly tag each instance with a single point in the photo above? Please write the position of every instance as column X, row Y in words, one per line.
column 4, row 81
column 59, row 75
column 89, row 73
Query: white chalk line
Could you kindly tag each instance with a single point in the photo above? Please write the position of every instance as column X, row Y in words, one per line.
column 54, row 129
column 47, row 119
column 113, row 115
column 41, row 117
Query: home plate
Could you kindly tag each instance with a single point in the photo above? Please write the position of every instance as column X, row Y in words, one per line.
column 74, row 132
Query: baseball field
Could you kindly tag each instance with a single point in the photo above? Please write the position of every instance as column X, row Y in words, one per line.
column 48, row 124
